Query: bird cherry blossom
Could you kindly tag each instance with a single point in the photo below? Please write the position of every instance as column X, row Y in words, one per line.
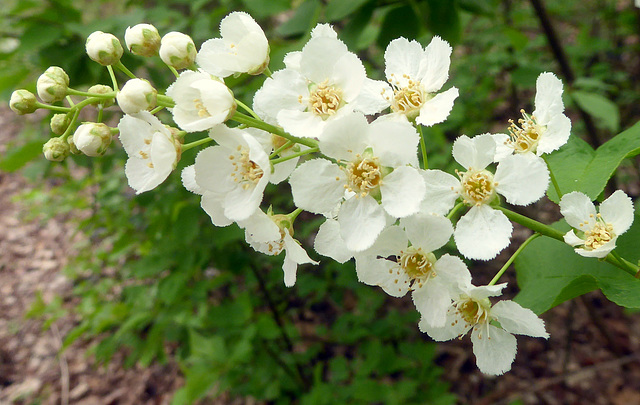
column 597, row 232
column 484, row 231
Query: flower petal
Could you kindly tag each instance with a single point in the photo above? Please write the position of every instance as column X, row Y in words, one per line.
column 329, row 243
column 518, row 320
column 556, row 135
column 548, row 100
column 427, row 231
column 211, row 203
column 494, row 348
column 482, row 233
column 402, row 60
column 617, row 210
column 345, row 137
column 578, row 210
column 361, row 221
column 317, row 186
column 385, row 274
column 434, row 67
column 394, row 142
column 522, row 178
column 402, row 192
column 442, row 190
column 454, row 326
column 294, row 255
column 432, row 300
column 437, row 109
column 453, row 273
column 474, row 153
column 371, row 98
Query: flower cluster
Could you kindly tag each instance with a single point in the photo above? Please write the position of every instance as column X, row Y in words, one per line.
column 381, row 205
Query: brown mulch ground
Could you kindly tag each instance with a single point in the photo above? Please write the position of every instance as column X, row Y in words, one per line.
column 592, row 357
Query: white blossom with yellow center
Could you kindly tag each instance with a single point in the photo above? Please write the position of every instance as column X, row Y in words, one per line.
column 484, row 231
column 494, row 347
column 242, row 48
column 202, row 101
column 415, row 76
column 597, row 231
column 153, row 151
column 321, row 83
column 231, row 176
column 544, row 131
column 433, row 282
column 371, row 180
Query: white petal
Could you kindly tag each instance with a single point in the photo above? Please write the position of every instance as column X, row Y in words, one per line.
column 438, row 108
column 482, row 233
column 484, row 291
column 259, row 227
column 361, row 221
column 434, row 69
column 426, row 231
column 502, row 147
column 571, row 239
column 600, row 252
column 453, row 273
column 403, row 57
column 548, row 100
column 578, row 210
column 522, row 178
column 556, row 135
column 371, row 98
column 385, row 274
column 188, row 176
column 402, row 191
column 240, row 203
column 294, row 255
column 394, row 142
column 329, row 243
column 432, row 300
column 389, row 243
column 135, row 134
column 303, row 124
column 345, row 137
column 617, row 210
column 474, row 153
column 442, row 190
column 494, row 349
column 454, row 326
column 317, row 186
column 518, row 320
column 211, row 203
column 324, row 30
column 140, row 176
column 281, row 92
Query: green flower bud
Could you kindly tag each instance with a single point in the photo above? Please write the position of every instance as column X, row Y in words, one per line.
column 52, row 84
column 177, row 50
column 137, row 95
column 23, row 102
column 59, row 123
column 102, row 89
column 142, row 39
column 92, row 138
column 72, row 146
column 104, row 48
column 56, row 149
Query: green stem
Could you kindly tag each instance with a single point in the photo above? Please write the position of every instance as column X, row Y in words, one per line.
column 628, row 266
column 114, row 81
column 295, row 155
column 512, row 258
column 252, row 122
column 267, row 72
column 124, row 69
column 86, row 94
column 114, row 131
column 280, row 149
column 53, row 107
column 247, row 109
column 196, row 143
column 165, row 101
column 294, row 214
column 423, row 148
column 454, row 210
column 553, row 178
column 67, row 132
column 174, row 71
column 100, row 109
column 70, row 101
column 157, row 109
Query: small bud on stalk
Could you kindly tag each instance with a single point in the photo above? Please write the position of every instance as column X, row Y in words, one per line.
column 59, row 123
column 52, row 84
column 104, row 48
column 92, row 138
column 177, row 50
column 142, row 39
column 102, row 89
column 137, row 95
column 56, row 149
column 72, row 146
column 23, row 102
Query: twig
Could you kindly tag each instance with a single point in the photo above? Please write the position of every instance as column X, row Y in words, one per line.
column 64, row 367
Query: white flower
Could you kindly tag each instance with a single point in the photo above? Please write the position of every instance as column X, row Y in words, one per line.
column 494, row 347
column 92, row 138
column 319, row 85
column 177, row 50
column 52, row 85
column 272, row 234
column 416, row 75
column 484, row 231
column 373, row 169
column 153, row 151
column 414, row 267
column 201, row 101
column 243, row 48
column 231, row 176
column 136, row 95
column 142, row 39
column 546, row 130
column 104, row 48
column 597, row 231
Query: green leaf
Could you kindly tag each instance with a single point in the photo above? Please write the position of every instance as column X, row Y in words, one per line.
column 603, row 110
column 399, row 22
column 21, row 156
column 550, row 272
column 262, row 9
column 302, row 21
column 444, row 20
column 339, row 9
column 578, row 168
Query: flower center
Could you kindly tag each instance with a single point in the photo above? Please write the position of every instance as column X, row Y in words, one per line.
column 245, row 171
column 363, row 175
column 417, row 264
column 599, row 235
column 478, row 186
column 525, row 137
column 202, row 110
column 471, row 311
column 407, row 99
column 325, row 100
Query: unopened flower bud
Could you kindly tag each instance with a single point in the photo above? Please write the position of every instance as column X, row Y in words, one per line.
column 137, row 95
column 104, row 48
column 177, row 50
column 56, row 149
column 72, row 146
column 23, row 102
column 59, row 123
column 102, row 89
column 52, row 84
column 92, row 138
column 142, row 39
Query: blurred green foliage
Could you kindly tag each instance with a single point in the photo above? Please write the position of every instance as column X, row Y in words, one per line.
column 157, row 280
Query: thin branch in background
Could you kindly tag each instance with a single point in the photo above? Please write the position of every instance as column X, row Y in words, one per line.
column 565, row 67
column 64, row 367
